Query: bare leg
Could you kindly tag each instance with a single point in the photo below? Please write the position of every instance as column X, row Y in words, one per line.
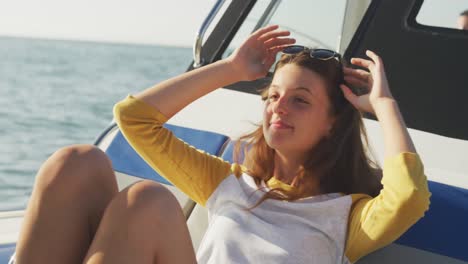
column 143, row 224
column 72, row 189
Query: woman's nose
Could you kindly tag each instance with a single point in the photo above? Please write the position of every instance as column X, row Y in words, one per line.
column 280, row 106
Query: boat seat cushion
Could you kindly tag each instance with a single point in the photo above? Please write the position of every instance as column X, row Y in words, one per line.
column 229, row 152
column 6, row 251
column 125, row 159
column 444, row 228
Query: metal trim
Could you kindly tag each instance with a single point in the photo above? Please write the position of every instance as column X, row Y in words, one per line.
column 224, row 31
column 269, row 11
column 197, row 46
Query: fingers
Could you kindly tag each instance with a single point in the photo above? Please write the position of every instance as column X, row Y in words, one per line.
column 359, row 102
column 273, row 34
column 357, row 77
column 358, row 73
column 271, row 37
column 377, row 60
column 363, row 63
column 377, row 81
column 276, row 38
column 277, row 42
column 373, row 64
column 264, row 30
column 279, row 48
column 349, row 95
column 356, row 82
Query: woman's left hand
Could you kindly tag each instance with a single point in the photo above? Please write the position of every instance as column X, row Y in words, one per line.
column 375, row 81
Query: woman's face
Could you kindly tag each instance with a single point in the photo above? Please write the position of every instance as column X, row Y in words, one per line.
column 463, row 22
column 296, row 114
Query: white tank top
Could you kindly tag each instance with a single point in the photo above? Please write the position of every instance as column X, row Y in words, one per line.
column 310, row 230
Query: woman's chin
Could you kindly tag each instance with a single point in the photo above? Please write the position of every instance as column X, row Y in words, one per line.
column 280, row 139
column 278, row 143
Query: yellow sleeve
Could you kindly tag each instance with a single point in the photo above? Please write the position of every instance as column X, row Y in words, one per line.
column 376, row 222
column 193, row 171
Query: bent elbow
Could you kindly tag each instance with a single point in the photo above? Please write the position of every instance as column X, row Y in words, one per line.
column 124, row 115
column 119, row 111
column 417, row 203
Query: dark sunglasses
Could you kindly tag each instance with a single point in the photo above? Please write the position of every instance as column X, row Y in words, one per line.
column 320, row 54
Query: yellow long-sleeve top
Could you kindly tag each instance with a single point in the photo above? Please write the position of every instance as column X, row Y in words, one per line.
column 330, row 228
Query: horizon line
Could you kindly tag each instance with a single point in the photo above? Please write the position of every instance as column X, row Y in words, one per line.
column 101, row 41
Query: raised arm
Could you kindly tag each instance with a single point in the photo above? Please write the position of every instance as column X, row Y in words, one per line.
column 141, row 118
column 250, row 61
column 380, row 102
column 376, row 222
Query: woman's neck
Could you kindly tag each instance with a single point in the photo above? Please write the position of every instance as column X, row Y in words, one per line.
column 288, row 168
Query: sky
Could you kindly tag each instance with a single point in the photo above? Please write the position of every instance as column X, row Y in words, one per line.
column 168, row 22
column 133, row 21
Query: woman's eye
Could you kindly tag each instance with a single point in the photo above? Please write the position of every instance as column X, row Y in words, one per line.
column 272, row 97
column 300, row 100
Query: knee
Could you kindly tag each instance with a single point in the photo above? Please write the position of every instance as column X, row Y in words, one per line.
column 151, row 200
column 80, row 156
column 75, row 166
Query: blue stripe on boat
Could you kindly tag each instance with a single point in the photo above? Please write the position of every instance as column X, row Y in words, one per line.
column 126, row 160
column 6, row 251
column 444, row 228
column 229, row 152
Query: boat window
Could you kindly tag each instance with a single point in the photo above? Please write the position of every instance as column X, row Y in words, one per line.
column 313, row 23
column 442, row 13
column 248, row 26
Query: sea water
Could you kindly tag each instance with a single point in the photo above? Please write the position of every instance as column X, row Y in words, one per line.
column 55, row 93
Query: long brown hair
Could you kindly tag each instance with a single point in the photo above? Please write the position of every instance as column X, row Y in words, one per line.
column 340, row 160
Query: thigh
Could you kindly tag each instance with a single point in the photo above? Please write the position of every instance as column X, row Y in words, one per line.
column 144, row 223
column 71, row 191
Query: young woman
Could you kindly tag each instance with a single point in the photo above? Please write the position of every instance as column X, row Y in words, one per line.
column 306, row 193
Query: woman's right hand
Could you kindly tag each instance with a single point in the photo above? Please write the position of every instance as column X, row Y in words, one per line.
column 256, row 55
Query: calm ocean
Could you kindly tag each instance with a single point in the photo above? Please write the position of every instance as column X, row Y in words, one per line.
column 57, row 93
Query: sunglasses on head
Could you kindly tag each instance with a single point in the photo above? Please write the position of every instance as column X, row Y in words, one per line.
column 320, row 54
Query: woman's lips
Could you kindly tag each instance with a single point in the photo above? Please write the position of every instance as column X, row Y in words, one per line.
column 280, row 125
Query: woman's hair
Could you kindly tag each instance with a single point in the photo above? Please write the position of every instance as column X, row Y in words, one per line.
column 339, row 160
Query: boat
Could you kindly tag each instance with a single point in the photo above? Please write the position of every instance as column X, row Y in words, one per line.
column 427, row 70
